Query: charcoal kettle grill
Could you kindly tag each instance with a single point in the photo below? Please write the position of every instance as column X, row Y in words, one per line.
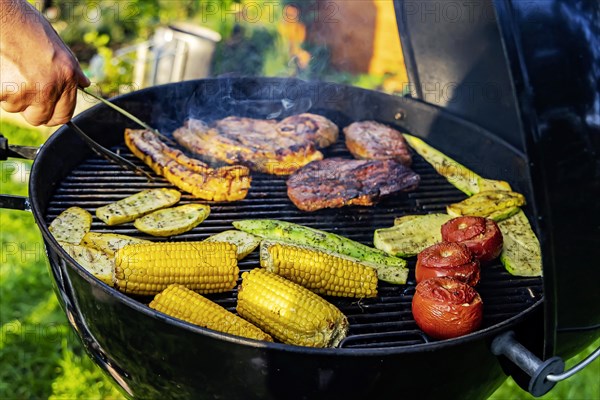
column 506, row 118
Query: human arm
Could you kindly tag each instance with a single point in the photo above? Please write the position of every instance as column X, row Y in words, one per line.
column 39, row 74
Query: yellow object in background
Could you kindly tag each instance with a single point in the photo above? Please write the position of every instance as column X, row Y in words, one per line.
column 361, row 38
column 294, row 34
column 387, row 58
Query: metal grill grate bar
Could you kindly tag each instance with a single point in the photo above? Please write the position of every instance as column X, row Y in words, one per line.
column 383, row 322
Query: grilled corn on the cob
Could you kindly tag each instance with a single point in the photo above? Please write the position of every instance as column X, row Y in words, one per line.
column 319, row 271
column 146, row 269
column 389, row 268
column 289, row 312
column 180, row 302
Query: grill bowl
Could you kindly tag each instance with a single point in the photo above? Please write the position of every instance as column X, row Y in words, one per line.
column 385, row 355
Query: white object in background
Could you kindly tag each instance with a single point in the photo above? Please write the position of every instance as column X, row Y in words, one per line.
column 178, row 52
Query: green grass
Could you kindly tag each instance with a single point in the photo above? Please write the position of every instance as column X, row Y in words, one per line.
column 41, row 357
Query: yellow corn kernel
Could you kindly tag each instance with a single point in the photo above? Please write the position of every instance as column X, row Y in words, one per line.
column 146, row 269
column 318, row 271
column 289, row 312
column 185, row 304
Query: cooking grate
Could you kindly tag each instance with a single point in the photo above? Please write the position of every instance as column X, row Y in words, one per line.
column 385, row 321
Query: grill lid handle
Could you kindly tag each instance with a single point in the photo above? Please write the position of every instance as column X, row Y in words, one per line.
column 14, row 151
column 22, row 152
column 544, row 374
column 506, row 345
column 578, row 367
column 14, row 202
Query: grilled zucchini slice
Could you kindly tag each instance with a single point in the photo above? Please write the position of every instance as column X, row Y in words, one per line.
column 521, row 254
column 457, row 174
column 490, row 184
column 173, row 221
column 137, row 205
column 389, row 269
column 71, row 225
column 503, row 214
column 245, row 242
column 410, row 234
column 109, row 243
column 98, row 263
column 496, row 203
column 404, row 218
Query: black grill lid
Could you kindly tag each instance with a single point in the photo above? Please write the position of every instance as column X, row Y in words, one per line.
column 528, row 71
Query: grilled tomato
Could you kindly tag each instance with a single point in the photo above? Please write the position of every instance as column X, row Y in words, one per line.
column 448, row 259
column 481, row 235
column 445, row 308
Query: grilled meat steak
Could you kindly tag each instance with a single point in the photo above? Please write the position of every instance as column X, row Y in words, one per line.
column 228, row 183
column 311, row 127
column 268, row 146
column 336, row 182
column 374, row 141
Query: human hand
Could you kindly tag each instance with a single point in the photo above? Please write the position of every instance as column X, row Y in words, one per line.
column 38, row 72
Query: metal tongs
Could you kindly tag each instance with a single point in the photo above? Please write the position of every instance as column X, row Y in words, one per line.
column 127, row 114
column 108, row 154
